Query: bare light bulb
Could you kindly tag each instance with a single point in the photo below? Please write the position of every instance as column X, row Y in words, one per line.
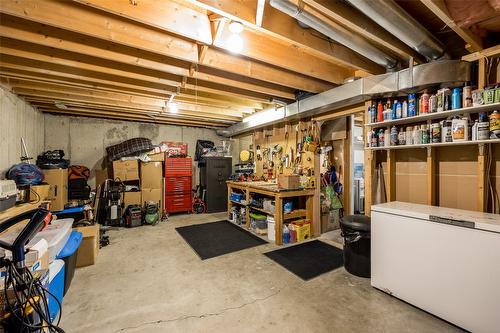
column 235, row 43
column 235, row 27
column 172, row 107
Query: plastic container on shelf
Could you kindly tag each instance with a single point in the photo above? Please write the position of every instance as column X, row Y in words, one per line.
column 68, row 254
column 271, row 229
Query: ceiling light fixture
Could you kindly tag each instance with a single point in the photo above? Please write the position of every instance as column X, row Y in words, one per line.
column 172, row 105
column 235, row 43
column 235, row 27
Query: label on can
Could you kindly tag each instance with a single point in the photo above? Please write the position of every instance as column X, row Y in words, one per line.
column 412, row 105
column 436, row 133
column 483, row 131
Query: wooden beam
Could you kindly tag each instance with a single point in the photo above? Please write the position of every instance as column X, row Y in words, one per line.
column 359, row 23
column 391, row 175
column 280, row 27
column 253, row 41
column 489, row 52
column 118, row 72
column 124, row 32
column 482, row 176
column 68, row 98
column 57, row 47
column 438, row 7
column 259, row 15
column 166, row 15
column 233, row 113
column 482, row 74
column 431, row 176
column 158, row 119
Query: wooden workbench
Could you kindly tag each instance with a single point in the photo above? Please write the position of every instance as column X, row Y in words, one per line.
column 278, row 195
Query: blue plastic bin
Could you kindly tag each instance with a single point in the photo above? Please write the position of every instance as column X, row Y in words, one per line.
column 68, row 254
column 56, row 287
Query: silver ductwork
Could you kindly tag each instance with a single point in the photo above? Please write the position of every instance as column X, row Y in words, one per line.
column 398, row 22
column 337, row 33
column 445, row 73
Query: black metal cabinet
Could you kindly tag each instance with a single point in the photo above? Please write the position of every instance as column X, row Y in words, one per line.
column 214, row 172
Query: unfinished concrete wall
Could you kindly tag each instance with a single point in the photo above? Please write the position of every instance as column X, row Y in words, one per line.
column 85, row 139
column 18, row 120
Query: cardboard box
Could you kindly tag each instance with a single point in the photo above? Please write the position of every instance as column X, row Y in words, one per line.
column 155, row 195
column 89, row 248
column 160, row 157
column 151, row 175
column 58, row 191
column 289, row 181
column 39, row 192
column 126, row 170
column 132, row 198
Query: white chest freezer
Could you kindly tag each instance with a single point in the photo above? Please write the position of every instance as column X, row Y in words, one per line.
column 444, row 261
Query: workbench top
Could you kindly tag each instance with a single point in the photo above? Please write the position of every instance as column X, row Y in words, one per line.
column 266, row 186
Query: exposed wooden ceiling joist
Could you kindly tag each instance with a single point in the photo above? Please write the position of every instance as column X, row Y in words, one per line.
column 87, row 21
column 256, row 44
column 489, row 52
column 281, row 27
column 438, row 7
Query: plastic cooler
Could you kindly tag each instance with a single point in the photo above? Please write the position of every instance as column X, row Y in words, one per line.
column 68, row 254
column 56, row 287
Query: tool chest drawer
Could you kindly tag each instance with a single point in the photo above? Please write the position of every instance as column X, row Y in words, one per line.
column 178, row 203
column 178, row 184
column 178, row 167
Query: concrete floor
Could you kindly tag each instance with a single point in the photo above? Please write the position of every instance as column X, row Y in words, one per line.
column 150, row 280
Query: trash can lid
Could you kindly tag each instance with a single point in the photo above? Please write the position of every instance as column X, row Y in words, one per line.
column 72, row 245
column 356, row 222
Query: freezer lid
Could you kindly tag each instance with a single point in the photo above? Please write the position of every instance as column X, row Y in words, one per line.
column 451, row 216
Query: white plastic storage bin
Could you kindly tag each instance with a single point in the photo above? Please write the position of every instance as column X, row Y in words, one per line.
column 56, row 234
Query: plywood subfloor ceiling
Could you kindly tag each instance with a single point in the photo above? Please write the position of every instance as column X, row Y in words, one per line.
column 123, row 59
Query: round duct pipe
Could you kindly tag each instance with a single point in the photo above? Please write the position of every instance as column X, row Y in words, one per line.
column 398, row 22
column 338, row 34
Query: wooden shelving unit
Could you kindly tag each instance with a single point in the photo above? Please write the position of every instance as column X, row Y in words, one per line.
column 436, row 115
column 261, row 210
column 298, row 213
column 441, row 144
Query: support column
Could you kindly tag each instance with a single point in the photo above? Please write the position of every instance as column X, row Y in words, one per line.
column 431, row 176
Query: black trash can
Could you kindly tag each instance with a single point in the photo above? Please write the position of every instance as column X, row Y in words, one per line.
column 356, row 233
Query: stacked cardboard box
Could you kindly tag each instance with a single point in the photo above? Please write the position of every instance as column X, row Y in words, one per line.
column 152, row 182
column 58, row 190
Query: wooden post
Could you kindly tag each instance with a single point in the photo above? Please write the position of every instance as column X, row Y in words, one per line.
column 278, row 219
column 482, row 70
column 481, row 179
column 369, row 164
column 316, row 222
column 391, row 175
column 347, row 168
column 431, row 176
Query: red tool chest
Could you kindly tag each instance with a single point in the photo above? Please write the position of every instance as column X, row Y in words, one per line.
column 178, row 184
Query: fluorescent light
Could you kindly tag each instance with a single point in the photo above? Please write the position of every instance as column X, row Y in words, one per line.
column 235, row 27
column 235, row 43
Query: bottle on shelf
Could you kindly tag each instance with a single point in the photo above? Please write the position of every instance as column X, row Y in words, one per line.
column 474, row 130
column 412, row 105
column 483, row 127
column 409, row 135
column 387, row 137
column 381, row 138
column 404, row 109
column 394, row 136
column 399, row 110
column 402, row 136
column 380, row 112
column 467, row 95
column 424, row 102
column 286, row 234
column 394, row 111
column 456, row 99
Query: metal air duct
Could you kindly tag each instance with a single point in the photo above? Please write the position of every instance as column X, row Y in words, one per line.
column 445, row 73
column 337, row 33
column 399, row 23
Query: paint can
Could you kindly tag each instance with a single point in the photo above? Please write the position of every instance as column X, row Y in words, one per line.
column 436, row 132
column 466, row 96
column 495, row 125
column 433, row 104
column 409, row 135
column 402, row 136
column 446, row 131
column 477, row 98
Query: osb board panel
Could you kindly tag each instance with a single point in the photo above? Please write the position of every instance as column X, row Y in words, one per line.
column 457, row 160
column 456, row 169
column 457, row 191
column 411, row 175
column 411, row 188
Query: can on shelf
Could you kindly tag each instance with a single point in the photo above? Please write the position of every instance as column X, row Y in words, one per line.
column 425, row 134
column 495, row 125
column 477, row 98
column 409, row 135
column 433, row 104
column 446, row 99
column 466, row 96
column 394, row 136
column 436, row 132
column 402, row 136
column 424, row 103
column 416, row 135
column 412, row 105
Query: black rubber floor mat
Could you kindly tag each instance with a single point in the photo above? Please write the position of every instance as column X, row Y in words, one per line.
column 308, row 260
column 214, row 239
